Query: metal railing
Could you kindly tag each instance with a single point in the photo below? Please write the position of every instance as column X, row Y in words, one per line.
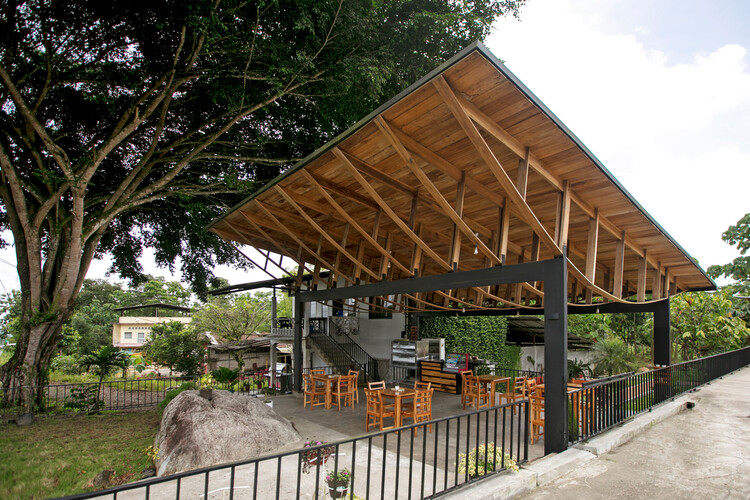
column 354, row 351
column 127, row 394
column 338, row 357
column 601, row 404
column 415, row 461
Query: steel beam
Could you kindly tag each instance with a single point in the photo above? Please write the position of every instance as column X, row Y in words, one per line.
column 530, row 271
column 662, row 338
column 299, row 321
column 555, row 356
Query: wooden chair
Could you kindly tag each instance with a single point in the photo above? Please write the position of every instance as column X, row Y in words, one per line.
column 356, row 383
column 377, row 411
column 530, row 387
column 477, row 395
column 376, row 386
column 421, row 409
column 536, row 416
column 423, row 386
column 345, row 390
column 317, row 371
column 313, row 391
column 464, row 385
column 517, row 392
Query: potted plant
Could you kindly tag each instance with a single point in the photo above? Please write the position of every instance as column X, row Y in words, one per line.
column 313, row 457
column 268, row 391
column 338, row 483
column 207, row 384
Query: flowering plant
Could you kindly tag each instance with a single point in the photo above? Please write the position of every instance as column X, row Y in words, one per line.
column 476, row 461
column 342, row 475
column 319, row 456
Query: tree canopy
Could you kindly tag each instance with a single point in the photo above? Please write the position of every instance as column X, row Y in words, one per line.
column 133, row 124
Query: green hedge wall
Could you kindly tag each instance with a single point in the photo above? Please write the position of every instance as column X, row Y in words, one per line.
column 482, row 336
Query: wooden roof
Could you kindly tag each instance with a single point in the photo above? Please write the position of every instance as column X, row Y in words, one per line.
column 466, row 169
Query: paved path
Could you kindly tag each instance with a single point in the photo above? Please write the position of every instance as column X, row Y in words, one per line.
column 700, row 453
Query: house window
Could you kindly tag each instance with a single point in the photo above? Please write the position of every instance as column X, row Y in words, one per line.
column 141, row 336
column 381, row 308
column 128, row 336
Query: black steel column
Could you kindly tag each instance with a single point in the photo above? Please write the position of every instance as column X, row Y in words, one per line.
column 662, row 337
column 555, row 356
column 299, row 321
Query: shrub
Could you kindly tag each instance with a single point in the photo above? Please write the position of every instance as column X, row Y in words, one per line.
column 67, row 364
column 612, row 357
column 476, row 464
column 83, row 398
column 170, row 395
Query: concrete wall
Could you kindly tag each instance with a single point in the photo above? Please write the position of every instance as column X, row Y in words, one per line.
column 536, row 353
column 375, row 335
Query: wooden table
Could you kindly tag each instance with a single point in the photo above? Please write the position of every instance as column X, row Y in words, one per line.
column 329, row 381
column 492, row 381
column 397, row 396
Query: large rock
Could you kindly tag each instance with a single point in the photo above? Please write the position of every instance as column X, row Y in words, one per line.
column 196, row 432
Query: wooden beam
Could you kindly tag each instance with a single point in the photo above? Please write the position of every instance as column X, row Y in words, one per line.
column 431, row 188
column 372, row 240
column 387, row 209
column 322, row 231
column 656, row 284
column 591, row 251
column 504, row 233
column 642, row 270
column 495, row 130
column 523, row 174
column 563, row 217
column 458, row 112
column 619, row 267
column 455, row 250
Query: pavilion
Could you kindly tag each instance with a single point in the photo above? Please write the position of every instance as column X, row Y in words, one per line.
column 465, row 193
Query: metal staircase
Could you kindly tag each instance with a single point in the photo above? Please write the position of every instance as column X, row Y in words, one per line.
column 340, row 349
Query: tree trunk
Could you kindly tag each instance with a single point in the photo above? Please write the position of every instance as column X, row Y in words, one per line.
column 25, row 374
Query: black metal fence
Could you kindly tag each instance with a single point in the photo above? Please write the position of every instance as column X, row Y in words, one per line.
column 602, row 404
column 415, row 461
column 128, row 394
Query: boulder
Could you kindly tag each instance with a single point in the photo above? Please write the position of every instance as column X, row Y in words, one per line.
column 196, row 432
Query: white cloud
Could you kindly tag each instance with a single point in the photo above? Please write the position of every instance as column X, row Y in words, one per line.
column 673, row 134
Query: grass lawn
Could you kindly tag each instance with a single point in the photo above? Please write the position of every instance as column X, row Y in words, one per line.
column 58, row 456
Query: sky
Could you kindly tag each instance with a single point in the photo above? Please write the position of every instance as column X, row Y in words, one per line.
column 659, row 91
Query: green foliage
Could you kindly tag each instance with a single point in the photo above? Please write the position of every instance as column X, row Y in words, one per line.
column 482, row 336
column 588, row 326
column 612, row 357
column 84, row 398
column 703, row 323
column 177, row 346
column 577, row 369
column 67, row 364
column 739, row 269
column 229, row 319
column 104, row 361
column 225, row 376
column 170, row 395
column 474, row 462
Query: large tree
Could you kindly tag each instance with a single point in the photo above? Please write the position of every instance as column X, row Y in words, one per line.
column 130, row 124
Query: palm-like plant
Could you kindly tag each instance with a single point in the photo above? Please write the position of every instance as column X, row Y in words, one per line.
column 104, row 362
column 611, row 357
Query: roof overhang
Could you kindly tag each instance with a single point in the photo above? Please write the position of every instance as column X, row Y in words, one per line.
column 464, row 170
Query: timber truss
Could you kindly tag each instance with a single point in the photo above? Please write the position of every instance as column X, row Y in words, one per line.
column 465, row 170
